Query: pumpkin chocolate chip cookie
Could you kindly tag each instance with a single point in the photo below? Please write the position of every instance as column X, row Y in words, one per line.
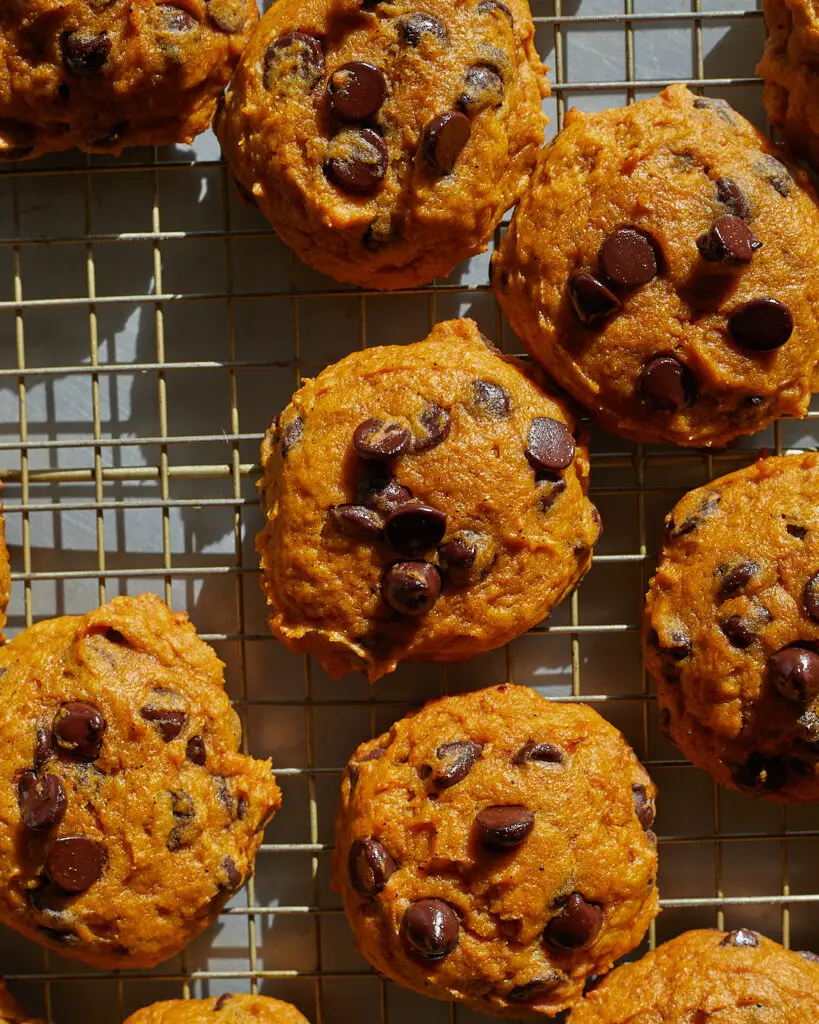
column 384, row 141
column 423, row 502
column 10, row 1010
column 737, row 977
column 790, row 68
column 106, row 74
column 664, row 267
column 127, row 815
column 226, row 1009
column 731, row 628
column 494, row 848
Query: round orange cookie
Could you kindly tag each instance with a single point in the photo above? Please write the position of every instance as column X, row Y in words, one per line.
column 709, row 977
column 226, row 1009
column 384, row 141
column 424, row 501
column 492, row 848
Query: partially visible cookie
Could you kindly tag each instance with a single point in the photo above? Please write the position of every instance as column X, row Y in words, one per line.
column 664, row 268
column 10, row 1010
column 106, row 74
column 790, row 68
column 128, row 817
column 494, row 848
column 385, row 140
column 226, row 1009
column 423, row 502
column 731, row 628
column 709, row 977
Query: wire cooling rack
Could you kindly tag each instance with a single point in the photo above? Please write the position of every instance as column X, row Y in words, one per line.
column 153, row 326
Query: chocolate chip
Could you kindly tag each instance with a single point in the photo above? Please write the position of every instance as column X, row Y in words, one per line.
column 643, row 806
column 730, row 240
column 731, row 196
column 576, row 925
column 505, row 826
column 716, row 105
column 628, row 258
column 666, row 385
column 546, row 753
column 794, row 672
column 536, row 989
column 357, row 159
column 487, row 6
column 800, row 532
column 84, row 55
column 807, row 955
column 493, row 400
column 195, row 750
column 708, row 505
column 169, row 722
column 811, row 597
column 43, row 746
column 75, row 863
column 736, row 580
column 413, row 27
column 444, row 138
column 457, row 760
column 79, row 728
column 295, row 55
column 221, row 1001
column 357, row 521
column 356, row 91
column 432, row 928
column 435, row 424
column 380, row 491
column 370, row 866
column 291, row 435
column 381, row 232
column 550, row 445
column 184, row 812
column 375, row 439
column 483, row 87
column 232, row 875
column 776, row 174
column 741, row 937
column 761, row 325
column 413, row 529
column 228, row 16
column 760, row 773
column 113, row 636
column 42, row 801
column 549, row 489
column 457, row 555
column 738, row 632
column 411, row 588
column 173, row 19
column 590, row 298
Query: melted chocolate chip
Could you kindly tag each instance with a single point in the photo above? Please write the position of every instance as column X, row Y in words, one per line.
column 411, row 588
column 79, row 728
column 730, row 240
column 482, row 88
column 546, row 753
column 716, row 105
column 42, row 801
column 760, row 773
column 357, row 159
column 413, row 27
column 75, row 863
column 432, row 928
column 291, row 435
column 85, row 55
column 811, row 597
column 295, row 55
column 435, row 424
column 643, row 806
column 232, row 876
column 228, row 16
column 376, row 439
column 736, row 579
column 738, row 632
column 184, row 813
column 380, row 491
column 761, row 325
column 776, row 174
column 741, row 937
column 169, row 722
column 550, row 445
column 505, row 826
column 794, row 672
column 221, row 1001
column 538, row 988
column 43, row 746
column 576, row 925
column 413, row 528
column 590, row 298
column 356, row 91
column 457, row 556
column 444, row 138
column 628, row 258
column 457, row 759
column 731, row 196
column 357, row 521
column 666, row 385
column 490, row 399
column 487, row 6
column 195, row 751
column 708, row 505
column 370, row 866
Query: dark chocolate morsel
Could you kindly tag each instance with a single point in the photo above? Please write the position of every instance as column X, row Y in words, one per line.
column 576, row 925
column 811, row 597
column 172, row 19
column 85, row 55
column 42, row 801
column 493, row 400
column 487, row 6
column 550, row 445
column 296, row 53
column 357, row 159
column 546, row 753
column 375, row 439
column 413, row 528
column 195, row 751
column 357, row 521
column 222, row 1001
column 43, row 745
column 643, row 806
column 794, row 672
column 411, row 588
column 291, row 435
column 380, row 491
column 482, row 87
column 457, row 759
column 731, row 196
column 666, row 385
column 741, row 937
column 413, row 27
column 628, row 258
column 169, row 722
column 79, row 728
column 75, row 863
column 432, row 928
column 356, row 91
column 232, row 875
column 457, row 556
column 708, row 506
column 444, row 138
column 761, row 325
column 435, row 423
column 738, row 632
column 370, row 866
column 736, row 580
column 505, row 825
column 227, row 15
column 590, row 298
column 536, row 989
column 729, row 240
column 761, row 774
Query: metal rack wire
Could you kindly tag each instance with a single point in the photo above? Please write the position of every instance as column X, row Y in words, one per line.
column 157, row 326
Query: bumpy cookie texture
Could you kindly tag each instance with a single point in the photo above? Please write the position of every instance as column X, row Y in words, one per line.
column 105, row 74
column 425, row 501
column 494, row 848
column 790, row 68
column 731, row 628
column 127, row 816
column 737, row 977
column 663, row 267
column 225, row 1009
column 10, row 1010
column 384, row 141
